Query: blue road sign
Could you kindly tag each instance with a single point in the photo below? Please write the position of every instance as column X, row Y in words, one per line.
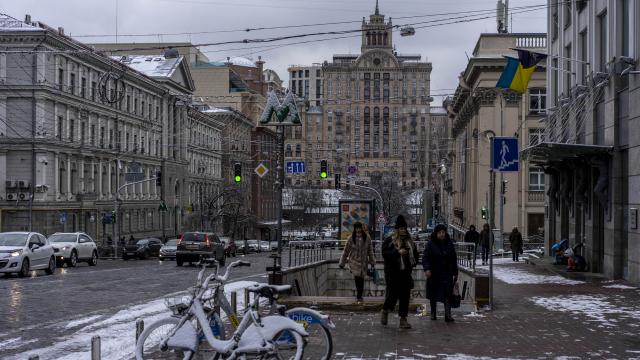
column 504, row 154
column 294, row 167
column 63, row 218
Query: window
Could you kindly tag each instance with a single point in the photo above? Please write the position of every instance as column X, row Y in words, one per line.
column 288, row 151
column 126, row 144
column 306, row 73
column 567, row 14
column 60, row 127
column 83, row 87
column 537, row 101
column 627, row 25
column 536, row 179
column 293, row 74
column 82, row 130
column 72, row 83
column 94, row 90
column 568, row 69
column 60, row 79
column 584, row 47
column 71, row 129
column 536, row 136
column 93, row 135
column 603, row 41
column 299, row 148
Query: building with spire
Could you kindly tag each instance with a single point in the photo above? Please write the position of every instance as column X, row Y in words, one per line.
column 372, row 117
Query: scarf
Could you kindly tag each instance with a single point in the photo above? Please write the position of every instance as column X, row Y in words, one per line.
column 404, row 242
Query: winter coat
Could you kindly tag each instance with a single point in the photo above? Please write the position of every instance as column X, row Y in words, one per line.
column 472, row 236
column 516, row 242
column 440, row 258
column 398, row 267
column 359, row 254
column 486, row 238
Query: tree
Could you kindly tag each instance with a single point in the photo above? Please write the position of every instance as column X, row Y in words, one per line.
column 393, row 195
column 308, row 203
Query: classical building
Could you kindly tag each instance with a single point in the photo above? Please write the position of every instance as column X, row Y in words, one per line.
column 273, row 82
column 590, row 145
column 371, row 117
column 478, row 111
column 73, row 123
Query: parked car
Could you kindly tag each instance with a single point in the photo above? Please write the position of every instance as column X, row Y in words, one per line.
column 273, row 245
column 142, row 249
column 70, row 248
column 264, row 246
column 21, row 252
column 196, row 245
column 230, row 248
column 168, row 250
column 252, row 246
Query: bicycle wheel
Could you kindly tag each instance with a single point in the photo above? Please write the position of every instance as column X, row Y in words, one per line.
column 148, row 345
column 318, row 345
column 290, row 350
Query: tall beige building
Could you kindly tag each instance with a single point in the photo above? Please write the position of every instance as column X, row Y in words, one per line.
column 372, row 115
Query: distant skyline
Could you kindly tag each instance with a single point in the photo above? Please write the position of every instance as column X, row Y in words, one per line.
column 445, row 46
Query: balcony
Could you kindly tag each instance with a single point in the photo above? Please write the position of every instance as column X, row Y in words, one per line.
column 535, row 196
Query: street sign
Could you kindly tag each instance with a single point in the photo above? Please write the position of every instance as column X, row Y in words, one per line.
column 504, row 154
column 295, row 167
column 63, row 218
column 261, row 170
column 352, row 170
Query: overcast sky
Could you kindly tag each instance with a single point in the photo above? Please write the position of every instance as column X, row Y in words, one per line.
column 444, row 46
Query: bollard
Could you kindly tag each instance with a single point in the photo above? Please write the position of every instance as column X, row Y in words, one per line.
column 139, row 328
column 95, row 347
column 234, row 302
column 246, row 299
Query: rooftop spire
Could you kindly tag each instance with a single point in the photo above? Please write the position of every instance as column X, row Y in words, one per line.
column 377, row 11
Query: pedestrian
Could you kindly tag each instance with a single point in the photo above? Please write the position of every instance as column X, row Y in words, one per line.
column 440, row 265
column 359, row 253
column 400, row 257
column 472, row 236
column 515, row 239
column 485, row 243
column 132, row 239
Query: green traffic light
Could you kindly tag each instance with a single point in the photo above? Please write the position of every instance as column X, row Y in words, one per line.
column 238, row 178
column 323, row 175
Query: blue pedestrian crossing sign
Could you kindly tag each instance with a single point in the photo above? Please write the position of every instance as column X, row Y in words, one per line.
column 504, row 154
column 295, row 167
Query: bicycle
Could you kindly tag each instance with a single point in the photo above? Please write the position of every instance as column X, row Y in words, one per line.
column 181, row 334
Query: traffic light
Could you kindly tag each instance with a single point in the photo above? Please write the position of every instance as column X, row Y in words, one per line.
column 158, row 178
column 237, row 172
column 337, row 181
column 483, row 212
column 503, row 188
column 113, row 216
column 323, row 169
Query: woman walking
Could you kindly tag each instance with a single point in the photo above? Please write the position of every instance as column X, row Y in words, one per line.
column 440, row 266
column 400, row 257
column 359, row 253
column 485, row 243
column 515, row 239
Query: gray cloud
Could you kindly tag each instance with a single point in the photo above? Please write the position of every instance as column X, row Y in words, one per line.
column 444, row 46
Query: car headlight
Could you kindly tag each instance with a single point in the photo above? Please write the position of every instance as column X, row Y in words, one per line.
column 16, row 253
column 64, row 248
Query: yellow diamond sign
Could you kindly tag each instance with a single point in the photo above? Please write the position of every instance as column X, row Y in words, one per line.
column 261, row 170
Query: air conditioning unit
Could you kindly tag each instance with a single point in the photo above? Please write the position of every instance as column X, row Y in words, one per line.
column 9, row 184
column 23, row 184
column 12, row 196
column 23, row 196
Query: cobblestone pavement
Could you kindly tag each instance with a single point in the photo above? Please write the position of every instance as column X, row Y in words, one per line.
column 541, row 319
column 36, row 312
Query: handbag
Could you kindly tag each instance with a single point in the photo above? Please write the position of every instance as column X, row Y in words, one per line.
column 370, row 271
column 455, row 298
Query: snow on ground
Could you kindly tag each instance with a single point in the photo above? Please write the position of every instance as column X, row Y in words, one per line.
column 516, row 276
column 620, row 286
column 117, row 331
column 597, row 308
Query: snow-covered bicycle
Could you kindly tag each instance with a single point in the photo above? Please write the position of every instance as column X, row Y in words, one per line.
column 256, row 336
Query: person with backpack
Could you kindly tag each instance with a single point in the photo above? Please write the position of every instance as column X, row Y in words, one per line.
column 358, row 252
column 400, row 257
column 440, row 265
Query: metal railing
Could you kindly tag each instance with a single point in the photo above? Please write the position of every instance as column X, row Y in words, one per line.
column 466, row 253
column 309, row 252
column 535, row 196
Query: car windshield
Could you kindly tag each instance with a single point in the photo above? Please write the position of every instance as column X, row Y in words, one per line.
column 193, row 237
column 57, row 238
column 172, row 242
column 13, row 239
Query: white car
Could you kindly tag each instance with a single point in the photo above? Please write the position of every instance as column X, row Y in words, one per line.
column 70, row 248
column 21, row 252
column 264, row 246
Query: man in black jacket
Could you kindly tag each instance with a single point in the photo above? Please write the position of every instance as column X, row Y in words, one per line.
column 472, row 236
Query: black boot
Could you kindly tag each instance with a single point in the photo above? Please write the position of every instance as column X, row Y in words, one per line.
column 433, row 311
column 447, row 313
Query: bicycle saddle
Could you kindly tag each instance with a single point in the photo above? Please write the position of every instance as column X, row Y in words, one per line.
column 278, row 289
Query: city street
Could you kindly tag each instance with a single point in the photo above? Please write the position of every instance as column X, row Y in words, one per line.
column 53, row 315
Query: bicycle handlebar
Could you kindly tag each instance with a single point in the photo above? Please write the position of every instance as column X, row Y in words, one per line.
column 223, row 279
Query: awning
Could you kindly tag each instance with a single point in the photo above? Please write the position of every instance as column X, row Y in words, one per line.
column 548, row 152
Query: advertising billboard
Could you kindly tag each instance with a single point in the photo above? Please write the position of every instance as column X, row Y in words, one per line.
column 352, row 211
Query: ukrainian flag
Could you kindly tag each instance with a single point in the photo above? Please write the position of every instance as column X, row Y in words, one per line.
column 518, row 71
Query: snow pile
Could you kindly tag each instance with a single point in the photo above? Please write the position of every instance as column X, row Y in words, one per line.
column 595, row 307
column 619, row 286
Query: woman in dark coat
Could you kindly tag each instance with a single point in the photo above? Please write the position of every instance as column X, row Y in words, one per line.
column 515, row 239
column 441, row 269
column 400, row 257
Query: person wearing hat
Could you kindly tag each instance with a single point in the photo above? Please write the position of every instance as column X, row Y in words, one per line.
column 400, row 257
column 359, row 253
column 440, row 265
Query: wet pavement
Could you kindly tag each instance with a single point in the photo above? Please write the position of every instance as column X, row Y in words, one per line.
column 41, row 310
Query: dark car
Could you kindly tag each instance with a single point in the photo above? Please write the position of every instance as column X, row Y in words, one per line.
column 141, row 249
column 194, row 246
column 230, row 248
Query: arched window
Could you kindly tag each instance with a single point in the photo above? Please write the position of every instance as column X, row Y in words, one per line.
column 375, row 39
column 288, row 150
column 385, row 38
column 376, row 114
column 367, row 115
column 368, row 38
column 298, row 150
